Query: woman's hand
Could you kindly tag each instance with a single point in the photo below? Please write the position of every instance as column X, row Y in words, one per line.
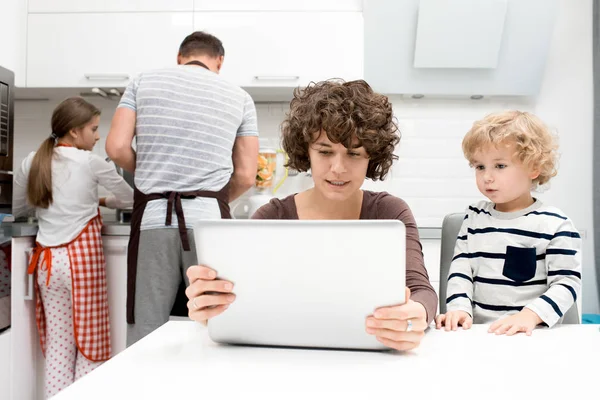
column 208, row 296
column 399, row 327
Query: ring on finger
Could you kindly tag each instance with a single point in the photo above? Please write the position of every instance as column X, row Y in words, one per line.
column 409, row 325
column 194, row 303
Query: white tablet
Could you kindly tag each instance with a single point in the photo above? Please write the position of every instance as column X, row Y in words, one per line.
column 303, row 283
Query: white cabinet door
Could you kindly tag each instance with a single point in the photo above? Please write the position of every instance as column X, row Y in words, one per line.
column 115, row 253
column 26, row 355
column 5, row 364
column 87, row 50
column 276, row 5
column 72, row 6
column 287, row 49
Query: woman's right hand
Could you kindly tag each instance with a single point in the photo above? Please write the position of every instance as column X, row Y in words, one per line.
column 452, row 319
column 207, row 296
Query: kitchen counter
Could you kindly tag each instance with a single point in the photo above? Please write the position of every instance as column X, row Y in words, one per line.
column 19, row 229
column 114, row 228
column 23, row 229
column 179, row 361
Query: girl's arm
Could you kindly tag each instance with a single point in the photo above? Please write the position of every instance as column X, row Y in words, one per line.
column 20, row 206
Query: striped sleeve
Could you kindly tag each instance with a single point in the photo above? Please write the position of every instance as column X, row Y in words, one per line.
column 249, row 126
column 128, row 100
column 563, row 263
column 460, row 277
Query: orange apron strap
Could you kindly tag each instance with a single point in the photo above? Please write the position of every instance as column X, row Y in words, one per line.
column 39, row 251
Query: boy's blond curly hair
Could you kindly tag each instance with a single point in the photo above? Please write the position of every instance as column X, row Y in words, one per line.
column 536, row 146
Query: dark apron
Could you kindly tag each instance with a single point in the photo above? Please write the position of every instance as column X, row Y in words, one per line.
column 174, row 199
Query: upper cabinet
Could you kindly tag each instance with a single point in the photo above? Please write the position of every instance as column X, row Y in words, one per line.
column 287, row 49
column 268, row 43
column 277, row 5
column 82, row 6
column 101, row 49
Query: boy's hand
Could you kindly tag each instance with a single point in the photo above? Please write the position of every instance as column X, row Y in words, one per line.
column 452, row 319
column 524, row 321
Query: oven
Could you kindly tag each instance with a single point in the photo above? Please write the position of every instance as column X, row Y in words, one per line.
column 7, row 88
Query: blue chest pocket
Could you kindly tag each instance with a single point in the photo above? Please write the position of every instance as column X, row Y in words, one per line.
column 520, row 263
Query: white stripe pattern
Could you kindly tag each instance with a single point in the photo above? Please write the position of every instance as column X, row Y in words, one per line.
column 504, row 262
column 187, row 121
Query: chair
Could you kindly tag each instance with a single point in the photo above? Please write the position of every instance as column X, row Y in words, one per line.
column 450, row 228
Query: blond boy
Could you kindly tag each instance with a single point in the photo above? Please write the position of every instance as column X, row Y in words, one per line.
column 517, row 262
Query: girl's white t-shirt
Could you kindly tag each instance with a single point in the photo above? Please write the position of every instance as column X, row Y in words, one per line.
column 76, row 175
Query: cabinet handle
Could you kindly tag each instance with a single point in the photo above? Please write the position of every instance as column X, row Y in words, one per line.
column 117, row 249
column 106, row 77
column 29, row 289
column 276, row 78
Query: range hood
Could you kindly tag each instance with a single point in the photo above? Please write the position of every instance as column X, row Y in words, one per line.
column 457, row 47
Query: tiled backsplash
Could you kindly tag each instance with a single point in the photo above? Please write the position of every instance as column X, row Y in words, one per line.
column 431, row 174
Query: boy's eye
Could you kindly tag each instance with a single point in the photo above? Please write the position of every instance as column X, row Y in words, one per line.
column 353, row 154
column 324, row 152
column 479, row 167
column 500, row 166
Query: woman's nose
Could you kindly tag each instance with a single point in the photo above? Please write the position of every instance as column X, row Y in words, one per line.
column 337, row 165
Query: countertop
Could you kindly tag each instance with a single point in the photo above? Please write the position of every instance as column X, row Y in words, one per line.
column 114, row 228
column 23, row 229
column 179, row 361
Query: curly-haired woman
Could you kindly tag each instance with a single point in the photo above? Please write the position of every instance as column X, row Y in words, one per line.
column 343, row 132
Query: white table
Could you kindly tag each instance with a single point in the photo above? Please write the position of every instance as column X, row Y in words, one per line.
column 179, row 361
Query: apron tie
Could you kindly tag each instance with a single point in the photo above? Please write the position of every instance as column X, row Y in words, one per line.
column 175, row 198
column 38, row 252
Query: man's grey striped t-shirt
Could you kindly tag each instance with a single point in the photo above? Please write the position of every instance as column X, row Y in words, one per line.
column 187, row 121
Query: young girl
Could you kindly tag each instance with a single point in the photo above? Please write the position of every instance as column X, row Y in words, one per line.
column 343, row 132
column 60, row 182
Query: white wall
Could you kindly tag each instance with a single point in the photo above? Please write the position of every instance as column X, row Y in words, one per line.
column 432, row 175
column 566, row 102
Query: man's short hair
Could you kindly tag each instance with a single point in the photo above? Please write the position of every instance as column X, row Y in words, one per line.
column 201, row 44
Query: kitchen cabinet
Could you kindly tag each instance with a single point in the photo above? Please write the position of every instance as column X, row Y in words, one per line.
column 101, row 49
column 5, row 364
column 27, row 360
column 287, row 49
column 74, row 6
column 277, row 5
column 115, row 254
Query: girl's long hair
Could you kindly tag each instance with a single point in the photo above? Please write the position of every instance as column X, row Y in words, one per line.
column 72, row 113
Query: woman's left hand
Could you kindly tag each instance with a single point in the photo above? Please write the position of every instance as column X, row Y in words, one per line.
column 399, row 327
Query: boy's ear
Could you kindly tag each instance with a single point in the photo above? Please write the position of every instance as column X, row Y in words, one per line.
column 534, row 173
